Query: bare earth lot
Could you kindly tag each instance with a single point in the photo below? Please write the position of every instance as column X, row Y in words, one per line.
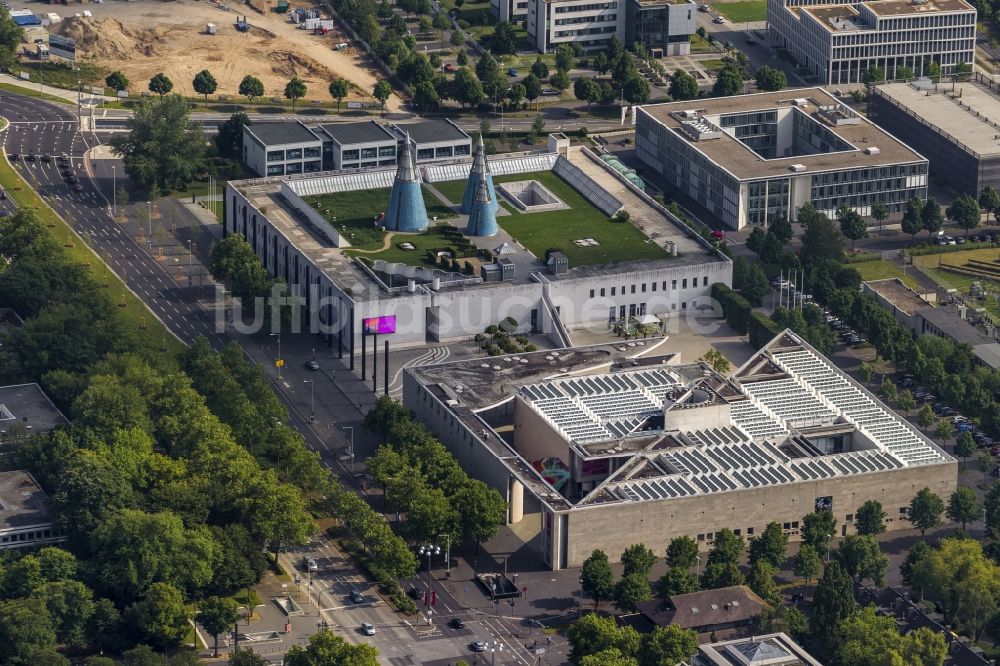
column 144, row 37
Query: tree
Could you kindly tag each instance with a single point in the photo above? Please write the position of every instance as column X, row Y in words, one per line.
column 466, row 88
column 160, row 616
column 908, row 567
column 880, row 213
column 116, row 81
column 632, row 590
column 989, row 200
column 234, row 262
column 457, row 40
column 865, row 638
column 162, row 147
column 382, row 91
column 924, row 647
column 818, row 528
column 833, row 601
column 925, row 510
column 596, row 578
column 609, row 657
column 246, row 657
column 229, row 139
column 594, row 633
column 683, row 86
column 325, row 649
column 760, row 579
column 532, row 87
column 862, row 558
column 425, row 95
column 821, row 240
column 807, row 563
column 251, row 87
column 926, row 417
column 873, row 75
column 295, row 90
column 668, row 645
column 906, row 401
column 756, row 240
column 204, row 84
column 565, row 57
column 770, row 546
column 965, row 212
column 11, row 35
column 217, row 616
column 504, row 38
column 539, row 69
column 719, row 574
column 945, row 430
column 587, row 90
column 682, row 552
column 852, row 225
column 887, row 390
column 728, row 548
column 70, row 604
column 867, row 372
column 515, row 94
column 481, row 511
column 912, row 221
column 559, row 81
column 931, row 218
column 339, row 89
column 637, row 559
column 728, row 81
column 770, row 79
column 716, row 360
column 870, row 518
column 636, row 90
column 963, row 506
column 160, row 84
column 904, row 73
column 678, row 580
column 965, row 445
column 25, row 630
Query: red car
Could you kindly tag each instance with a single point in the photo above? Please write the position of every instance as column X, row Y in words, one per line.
column 718, row 235
column 450, row 68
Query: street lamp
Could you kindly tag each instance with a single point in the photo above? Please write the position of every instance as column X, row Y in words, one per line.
column 312, row 400
column 430, row 550
column 278, row 361
column 350, row 445
column 447, row 555
column 496, row 647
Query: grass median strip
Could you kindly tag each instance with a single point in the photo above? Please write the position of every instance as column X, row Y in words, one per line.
column 28, row 91
column 134, row 312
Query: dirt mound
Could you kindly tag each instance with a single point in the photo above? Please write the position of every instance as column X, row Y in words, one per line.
column 261, row 32
column 288, row 64
column 109, row 39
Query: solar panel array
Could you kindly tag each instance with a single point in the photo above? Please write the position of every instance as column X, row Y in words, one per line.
column 348, row 182
column 595, row 408
column 500, row 167
column 870, row 417
column 754, row 422
column 787, row 400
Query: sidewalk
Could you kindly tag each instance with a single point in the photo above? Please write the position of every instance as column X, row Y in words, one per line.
column 87, row 98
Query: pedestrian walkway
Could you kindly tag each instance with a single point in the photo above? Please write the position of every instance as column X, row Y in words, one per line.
column 87, row 98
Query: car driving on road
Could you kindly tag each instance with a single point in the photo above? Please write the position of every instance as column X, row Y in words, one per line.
column 367, row 629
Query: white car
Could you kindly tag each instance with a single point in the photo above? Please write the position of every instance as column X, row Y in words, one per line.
column 311, row 565
column 719, row 20
column 367, row 629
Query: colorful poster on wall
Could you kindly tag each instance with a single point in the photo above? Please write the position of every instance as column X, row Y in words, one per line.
column 824, row 503
column 379, row 325
column 553, row 470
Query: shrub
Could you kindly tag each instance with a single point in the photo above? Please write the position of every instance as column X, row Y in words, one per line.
column 736, row 309
column 469, row 268
column 582, row 132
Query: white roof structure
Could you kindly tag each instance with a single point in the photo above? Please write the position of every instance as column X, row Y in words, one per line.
column 771, row 424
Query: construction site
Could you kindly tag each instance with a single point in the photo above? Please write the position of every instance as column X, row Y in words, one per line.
column 274, row 41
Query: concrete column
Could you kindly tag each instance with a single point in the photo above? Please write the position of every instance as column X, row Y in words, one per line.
column 516, row 500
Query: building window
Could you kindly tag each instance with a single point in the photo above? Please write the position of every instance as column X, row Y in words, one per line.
column 313, row 166
column 294, row 167
column 701, row 537
column 276, row 170
column 644, row 287
column 602, row 291
column 654, row 286
column 275, row 155
column 591, row 293
column 749, row 531
column 369, row 153
column 387, row 151
column 293, row 154
column 463, row 149
column 684, row 283
column 444, row 151
column 665, row 285
column 349, row 155
column 633, row 289
column 613, row 290
column 311, row 152
column 425, row 153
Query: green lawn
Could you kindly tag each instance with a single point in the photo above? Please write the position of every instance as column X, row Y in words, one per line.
column 711, row 64
column 62, row 75
column 559, row 228
column 741, row 12
column 883, row 270
column 28, row 91
column 428, row 240
column 356, row 210
column 963, row 284
column 699, row 45
column 134, row 312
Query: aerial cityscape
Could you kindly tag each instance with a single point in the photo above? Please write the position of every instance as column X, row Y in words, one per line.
column 544, row 332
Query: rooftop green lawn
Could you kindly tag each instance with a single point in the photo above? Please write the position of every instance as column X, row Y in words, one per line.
column 430, row 239
column 741, row 12
column 356, row 210
column 882, row 270
column 559, row 228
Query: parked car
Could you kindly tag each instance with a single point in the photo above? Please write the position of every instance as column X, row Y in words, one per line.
column 30, row 157
column 703, row 8
column 78, row 187
column 46, row 157
column 719, row 20
column 73, row 180
column 512, row 71
column 367, row 629
column 960, row 240
column 14, row 157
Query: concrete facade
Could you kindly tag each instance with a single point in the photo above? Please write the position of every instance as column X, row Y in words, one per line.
column 279, row 149
column 590, row 24
column 752, row 159
column 839, row 41
column 789, row 448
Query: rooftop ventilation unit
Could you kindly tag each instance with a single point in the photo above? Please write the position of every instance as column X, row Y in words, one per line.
column 872, row 150
column 800, row 101
column 797, row 168
column 701, row 129
column 690, row 113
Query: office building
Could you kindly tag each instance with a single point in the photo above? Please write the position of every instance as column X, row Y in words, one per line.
column 606, row 446
column 753, row 159
column 954, row 124
column 357, row 145
column 25, row 410
column 24, row 516
column 837, row 42
column 435, row 140
column 281, row 148
column 590, row 24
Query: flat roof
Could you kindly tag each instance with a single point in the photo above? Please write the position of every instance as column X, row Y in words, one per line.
column 966, row 114
column 28, row 406
column 22, row 501
column 739, row 160
column 948, row 320
column 430, row 131
column 897, row 293
column 903, row 7
column 835, row 18
column 351, row 133
column 771, row 649
column 278, row 133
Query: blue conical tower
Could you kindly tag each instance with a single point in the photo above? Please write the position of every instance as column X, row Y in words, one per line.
column 483, row 218
column 480, row 171
column 406, row 202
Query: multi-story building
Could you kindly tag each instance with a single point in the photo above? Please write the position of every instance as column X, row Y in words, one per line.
column 357, row 145
column 282, row 148
column 24, row 514
column 515, row 11
column 604, row 446
column 752, row 159
column 953, row 124
column 435, row 140
column 590, row 24
column 839, row 41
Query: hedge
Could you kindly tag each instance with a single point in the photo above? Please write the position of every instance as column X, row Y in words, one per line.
column 920, row 250
column 735, row 308
column 762, row 329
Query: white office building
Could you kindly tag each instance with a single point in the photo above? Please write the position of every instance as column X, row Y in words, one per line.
column 590, row 24
column 279, row 149
column 839, row 41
